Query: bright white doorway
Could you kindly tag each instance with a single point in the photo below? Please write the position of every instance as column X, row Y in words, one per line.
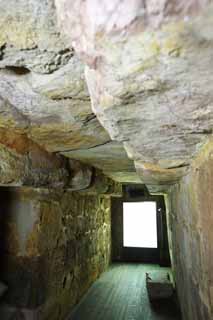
column 140, row 224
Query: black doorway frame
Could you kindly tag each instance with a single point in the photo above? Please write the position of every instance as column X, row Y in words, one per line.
column 145, row 255
column 120, row 253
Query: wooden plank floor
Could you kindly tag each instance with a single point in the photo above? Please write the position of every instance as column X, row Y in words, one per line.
column 120, row 294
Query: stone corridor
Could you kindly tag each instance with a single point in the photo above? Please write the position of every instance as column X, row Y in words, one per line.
column 104, row 102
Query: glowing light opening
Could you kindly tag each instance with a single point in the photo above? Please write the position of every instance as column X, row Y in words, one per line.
column 140, row 224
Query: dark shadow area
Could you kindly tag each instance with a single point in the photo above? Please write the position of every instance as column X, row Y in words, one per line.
column 144, row 255
column 19, row 71
column 167, row 307
column 23, row 275
column 5, row 200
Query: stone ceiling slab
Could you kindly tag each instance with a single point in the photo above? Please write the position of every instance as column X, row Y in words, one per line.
column 43, row 92
column 148, row 76
column 109, row 157
column 148, row 80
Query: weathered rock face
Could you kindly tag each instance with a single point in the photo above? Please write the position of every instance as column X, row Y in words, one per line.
column 24, row 162
column 149, row 80
column 53, row 246
column 43, row 93
column 148, row 76
column 150, row 83
column 109, row 157
column 191, row 221
column 141, row 60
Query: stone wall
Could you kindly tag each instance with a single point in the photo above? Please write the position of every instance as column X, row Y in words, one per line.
column 53, row 246
column 191, row 225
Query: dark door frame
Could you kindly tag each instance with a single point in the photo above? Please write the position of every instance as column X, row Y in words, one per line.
column 143, row 255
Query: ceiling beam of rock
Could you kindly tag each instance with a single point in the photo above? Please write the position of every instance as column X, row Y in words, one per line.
column 147, row 70
column 109, row 157
column 103, row 185
column 25, row 163
column 43, row 92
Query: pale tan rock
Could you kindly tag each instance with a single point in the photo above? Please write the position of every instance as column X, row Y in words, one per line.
column 42, row 84
column 148, row 76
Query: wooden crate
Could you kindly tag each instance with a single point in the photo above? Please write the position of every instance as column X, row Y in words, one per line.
column 159, row 286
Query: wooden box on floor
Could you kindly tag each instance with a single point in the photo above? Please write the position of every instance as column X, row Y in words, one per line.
column 159, row 286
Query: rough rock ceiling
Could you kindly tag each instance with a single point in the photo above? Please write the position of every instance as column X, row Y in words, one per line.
column 148, row 70
column 149, row 76
column 43, row 92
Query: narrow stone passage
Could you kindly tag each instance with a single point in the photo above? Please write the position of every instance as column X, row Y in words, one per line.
column 120, row 293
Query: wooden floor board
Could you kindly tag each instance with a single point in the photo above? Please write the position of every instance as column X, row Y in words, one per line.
column 120, row 294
